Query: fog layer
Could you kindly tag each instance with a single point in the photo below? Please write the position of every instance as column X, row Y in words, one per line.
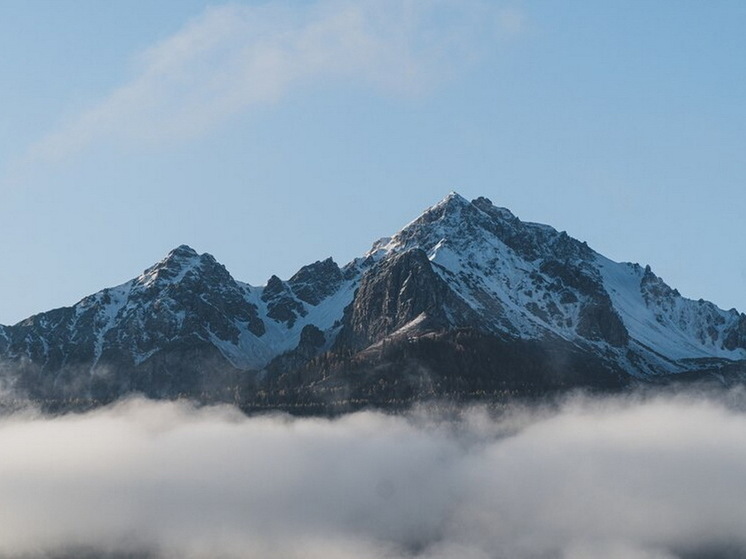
column 625, row 478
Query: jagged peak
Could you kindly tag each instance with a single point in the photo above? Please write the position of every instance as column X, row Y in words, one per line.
column 455, row 205
column 274, row 287
column 453, row 198
column 651, row 284
column 448, row 212
column 452, row 205
column 182, row 251
column 175, row 265
column 314, row 282
column 176, row 258
column 320, row 266
column 447, row 216
column 486, row 205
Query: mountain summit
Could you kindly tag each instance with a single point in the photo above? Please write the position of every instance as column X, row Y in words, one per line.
column 466, row 299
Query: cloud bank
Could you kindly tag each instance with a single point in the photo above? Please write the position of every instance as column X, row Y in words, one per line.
column 660, row 478
column 234, row 57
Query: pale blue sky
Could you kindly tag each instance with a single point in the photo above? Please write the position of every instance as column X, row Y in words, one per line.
column 274, row 134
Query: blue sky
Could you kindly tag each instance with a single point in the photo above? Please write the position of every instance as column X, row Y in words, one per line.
column 273, row 134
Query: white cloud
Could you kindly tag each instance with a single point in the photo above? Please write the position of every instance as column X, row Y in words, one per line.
column 653, row 479
column 234, row 57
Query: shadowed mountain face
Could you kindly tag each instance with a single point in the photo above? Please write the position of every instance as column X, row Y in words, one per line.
column 466, row 299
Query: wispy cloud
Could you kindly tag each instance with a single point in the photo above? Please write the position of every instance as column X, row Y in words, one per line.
column 632, row 479
column 235, row 57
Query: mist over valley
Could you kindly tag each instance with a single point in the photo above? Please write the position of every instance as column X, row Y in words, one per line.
column 642, row 476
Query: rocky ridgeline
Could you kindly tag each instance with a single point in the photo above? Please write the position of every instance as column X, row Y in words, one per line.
column 465, row 300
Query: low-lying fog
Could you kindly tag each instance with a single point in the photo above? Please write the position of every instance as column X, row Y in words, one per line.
column 653, row 477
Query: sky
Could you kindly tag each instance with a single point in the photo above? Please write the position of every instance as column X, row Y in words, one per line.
column 273, row 134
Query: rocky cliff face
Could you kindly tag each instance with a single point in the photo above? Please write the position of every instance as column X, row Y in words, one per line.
column 186, row 326
column 403, row 295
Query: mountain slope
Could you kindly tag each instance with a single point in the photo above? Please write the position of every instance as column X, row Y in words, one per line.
column 501, row 302
column 528, row 280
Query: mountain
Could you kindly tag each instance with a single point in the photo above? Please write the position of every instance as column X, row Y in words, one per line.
column 465, row 300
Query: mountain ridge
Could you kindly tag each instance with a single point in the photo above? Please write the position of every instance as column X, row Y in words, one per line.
column 186, row 326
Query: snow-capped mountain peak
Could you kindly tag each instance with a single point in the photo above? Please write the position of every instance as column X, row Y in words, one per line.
column 176, row 265
column 530, row 280
column 459, row 266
